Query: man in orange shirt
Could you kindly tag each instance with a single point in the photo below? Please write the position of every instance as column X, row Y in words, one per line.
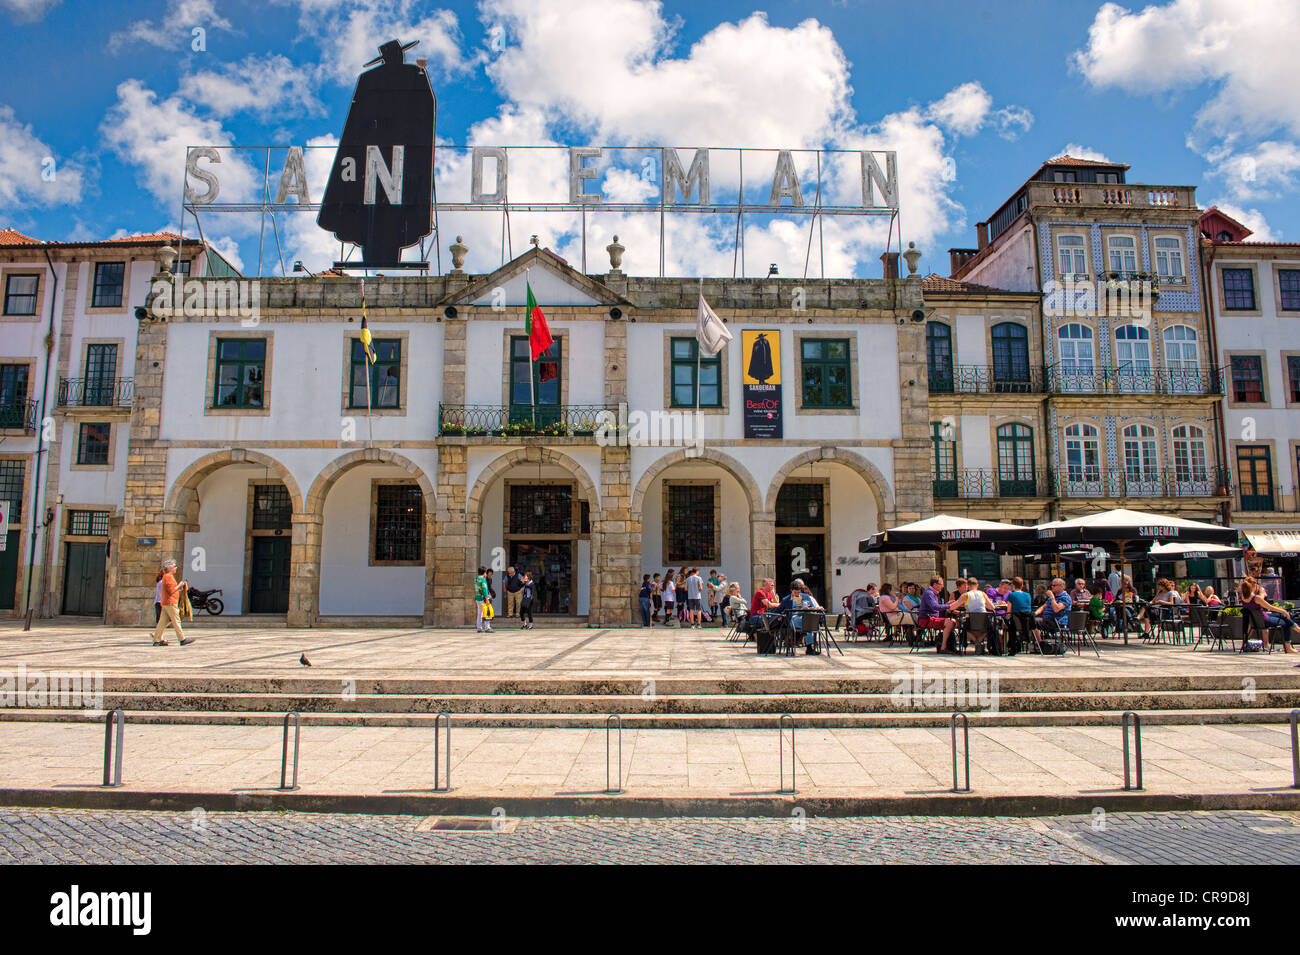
column 170, row 617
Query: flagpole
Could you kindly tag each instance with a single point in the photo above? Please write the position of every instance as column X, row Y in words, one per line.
column 370, row 423
column 532, row 372
column 699, row 346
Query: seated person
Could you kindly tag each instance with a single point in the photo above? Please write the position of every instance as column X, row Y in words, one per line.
column 798, row 598
column 1211, row 598
column 973, row 601
column 1054, row 615
column 911, row 600
column 889, row 606
column 1021, row 610
column 1099, row 612
column 933, row 610
column 1252, row 597
column 765, row 601
column 1080, row 594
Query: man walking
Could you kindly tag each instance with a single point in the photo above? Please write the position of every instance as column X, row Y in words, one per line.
column 514, row 584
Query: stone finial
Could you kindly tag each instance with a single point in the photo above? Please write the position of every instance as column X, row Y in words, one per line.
column 615, row 250
column 534, row 241
column 913, row 257
column 166, row 256
column 458, row 251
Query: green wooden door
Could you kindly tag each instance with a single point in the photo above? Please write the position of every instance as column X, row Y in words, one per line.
column 270, row 576
column 9, row 569
column 83, row 578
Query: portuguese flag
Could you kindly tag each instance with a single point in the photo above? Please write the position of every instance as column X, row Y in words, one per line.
column 539, row 333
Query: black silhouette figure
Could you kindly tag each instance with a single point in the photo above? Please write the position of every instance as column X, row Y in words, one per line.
column 304, row 661
column 393, row 105
column 760, row 360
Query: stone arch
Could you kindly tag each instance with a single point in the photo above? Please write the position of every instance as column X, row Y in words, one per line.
column 320, row 488
column 532, row 454
column 724, row 461
column 304, row 594
column 182, row 502
column 866, row 470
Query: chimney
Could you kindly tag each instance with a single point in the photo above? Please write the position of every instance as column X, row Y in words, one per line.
column 956, row 259
column 982, row 233
column 890, row 261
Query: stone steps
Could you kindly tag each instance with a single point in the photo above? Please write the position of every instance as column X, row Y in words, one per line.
column 827, row 720
column 731, row 703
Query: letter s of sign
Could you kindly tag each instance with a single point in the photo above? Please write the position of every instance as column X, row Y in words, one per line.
column 203, row 175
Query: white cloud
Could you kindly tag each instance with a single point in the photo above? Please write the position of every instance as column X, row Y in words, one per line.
column 30, row 174
column 1252, row 219
column 350, row 33
column 963, row 109
column 259, row 84
column 1012, row 121
column 174, row 28
column 28, row 11
column 153, row 134
column 1247, row 49
column 1263, row 171
column 1083, row 152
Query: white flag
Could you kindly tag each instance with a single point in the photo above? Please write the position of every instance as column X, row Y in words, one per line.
column 710, row 331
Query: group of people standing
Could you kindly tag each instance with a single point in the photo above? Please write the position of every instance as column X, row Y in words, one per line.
column 684, row 596
column 521, row 593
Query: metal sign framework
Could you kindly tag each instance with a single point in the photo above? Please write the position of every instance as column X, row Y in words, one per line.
column 785, row 185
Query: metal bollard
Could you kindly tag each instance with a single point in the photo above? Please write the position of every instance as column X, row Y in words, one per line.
column 1295, row 749
column 614, row 722
column 441, row 781
column 965, row 725
column 113, row 754
column 780, row 727
column 1137, row 746
column 284, row 749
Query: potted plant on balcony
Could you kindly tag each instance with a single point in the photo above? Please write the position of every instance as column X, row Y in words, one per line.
column 454, row 428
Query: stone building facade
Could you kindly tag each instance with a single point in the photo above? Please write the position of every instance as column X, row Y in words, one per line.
column 252, row 457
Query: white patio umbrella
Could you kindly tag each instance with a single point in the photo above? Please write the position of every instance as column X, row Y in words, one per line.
column 942, row 532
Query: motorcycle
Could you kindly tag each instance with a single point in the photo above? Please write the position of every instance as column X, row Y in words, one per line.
column 206, row 600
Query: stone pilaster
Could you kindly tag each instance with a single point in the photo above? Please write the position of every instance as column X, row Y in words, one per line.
column 762, row 543
column 617, row 558
column 304, row 572
column 455, row 537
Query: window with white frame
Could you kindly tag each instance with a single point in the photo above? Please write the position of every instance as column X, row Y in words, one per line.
column 1141, row 465
column 1169, row 260
column 1082, row 453
column 1133, row 350
column 1189, row 454
column 1072, row 251
column 1076, row 348
column 1182, row 359
column 1123, row 253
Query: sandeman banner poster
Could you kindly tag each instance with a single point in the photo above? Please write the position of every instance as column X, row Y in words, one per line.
column 760, row 353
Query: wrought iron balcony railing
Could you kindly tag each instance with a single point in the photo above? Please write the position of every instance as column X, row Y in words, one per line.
column 987, row 483
column 1142, row 482
column 1085, row 378
column 523, row 420
column 96, row 392
column 1266, row 497
column 987, row 380
column 21, row 414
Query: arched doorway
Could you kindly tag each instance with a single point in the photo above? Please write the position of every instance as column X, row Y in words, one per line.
column 537, row 510
column 228, row 519
column 824, row 502
column 370, row 524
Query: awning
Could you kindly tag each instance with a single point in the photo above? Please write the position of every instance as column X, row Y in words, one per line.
column 1173, row 552
column 1275, row 543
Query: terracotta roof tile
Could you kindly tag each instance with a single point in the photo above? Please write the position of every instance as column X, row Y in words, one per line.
column 942, row 283
column 14, row 237
column 1067, row 160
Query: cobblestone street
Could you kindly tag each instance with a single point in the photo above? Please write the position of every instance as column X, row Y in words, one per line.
column 82, row 836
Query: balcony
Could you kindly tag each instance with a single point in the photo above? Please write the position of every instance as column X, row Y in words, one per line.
column 987, row 380
column 18, row 415
column 1149, row 482
column 985, row 483
column 96, row 392
column 555, row 421
column 1271, row 498
column 1082, row 378
column 1128, row 196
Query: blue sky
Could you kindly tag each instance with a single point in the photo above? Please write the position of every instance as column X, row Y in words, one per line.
column 972, row 96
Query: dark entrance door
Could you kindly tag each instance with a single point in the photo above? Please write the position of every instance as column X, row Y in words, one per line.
column 551, row 563
column 9, row 569
column 802, row 556
column 83, row 579
column 269, row 581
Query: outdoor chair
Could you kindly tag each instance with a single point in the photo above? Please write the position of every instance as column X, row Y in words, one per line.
column 1077, row 633
column 1210, row 627
column 1021, row 627
column 922, row 637
column 1257, row 623
column 977, row 624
